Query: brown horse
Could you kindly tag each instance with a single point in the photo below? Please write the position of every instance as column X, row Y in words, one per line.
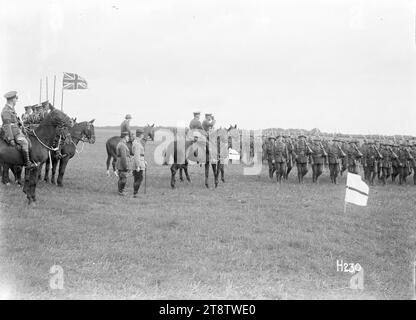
column 83, row 131
column 41, row 139
column 111, row 146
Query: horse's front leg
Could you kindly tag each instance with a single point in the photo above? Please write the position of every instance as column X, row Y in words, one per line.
column 181, row 173
column 62, row 166
column 215, row 171
column 221, row 168
column 173, row 169
column 185, row 168
column 40, row 171
column 47, row 167
column 5, row 174
column 17, row 172
column 54, row 166
column 206, row 174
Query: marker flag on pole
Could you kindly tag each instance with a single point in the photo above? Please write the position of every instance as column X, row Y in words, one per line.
column 72, row 81
column 357, row 190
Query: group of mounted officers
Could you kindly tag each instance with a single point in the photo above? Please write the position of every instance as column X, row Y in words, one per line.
column 381, row 159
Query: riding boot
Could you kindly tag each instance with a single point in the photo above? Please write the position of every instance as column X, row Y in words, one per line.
column 28, row 164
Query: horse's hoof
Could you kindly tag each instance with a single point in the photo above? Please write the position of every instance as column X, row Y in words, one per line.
column 108, row 173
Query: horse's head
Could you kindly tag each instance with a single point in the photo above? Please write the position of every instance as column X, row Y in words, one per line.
column 149, row 132
column 57, row 119
column 84, row 131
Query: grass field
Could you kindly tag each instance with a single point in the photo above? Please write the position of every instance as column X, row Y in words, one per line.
column 249, row 238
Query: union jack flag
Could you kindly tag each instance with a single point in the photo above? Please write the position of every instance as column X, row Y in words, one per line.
column 72, row 81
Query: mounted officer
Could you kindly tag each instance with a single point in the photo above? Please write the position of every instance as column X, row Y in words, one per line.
column 123, row 161
column 302, row 152
column 195, row 123
column 335, row 154
column 12, row 127
column 208, row 123
column 26, row 115
column 125, row 125
column 281, row 155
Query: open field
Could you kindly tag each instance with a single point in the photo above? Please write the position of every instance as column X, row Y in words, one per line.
column 249, row 238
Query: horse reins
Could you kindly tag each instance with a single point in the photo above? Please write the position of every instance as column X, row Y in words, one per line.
column 43, row 144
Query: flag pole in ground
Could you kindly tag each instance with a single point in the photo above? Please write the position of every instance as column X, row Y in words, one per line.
column 40, row 91
column 62, row 97
column 47, row 87
column 54, row 83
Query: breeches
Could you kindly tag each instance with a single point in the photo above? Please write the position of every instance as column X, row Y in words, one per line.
column 21, row 139
column 333, row 169
column 138, row 178
column 122, row 179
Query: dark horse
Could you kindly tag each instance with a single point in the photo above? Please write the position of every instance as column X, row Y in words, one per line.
column 4, row 172
column 111, row 146
column 83, row 131
column 41, row 139
column 215, row 154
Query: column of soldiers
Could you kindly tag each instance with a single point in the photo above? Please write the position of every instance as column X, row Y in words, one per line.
column 378, row 159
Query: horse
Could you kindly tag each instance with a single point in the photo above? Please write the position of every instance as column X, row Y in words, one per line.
column 41, row 139
column 83, row 131
column 215, row 159
column 4, row 172
column 111, row 146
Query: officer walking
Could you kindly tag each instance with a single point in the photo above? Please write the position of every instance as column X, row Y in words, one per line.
column 281, row 155
column 123, row 162
column 139, row 164
column 335, row 153
column 318, row 157
column 269, row 152
column 302, row 151
column 12, row 127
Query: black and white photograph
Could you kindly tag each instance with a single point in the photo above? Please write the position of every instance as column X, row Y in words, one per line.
column 191, row 151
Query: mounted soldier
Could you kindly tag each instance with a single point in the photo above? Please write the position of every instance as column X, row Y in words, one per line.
column 125, row 125
column 301, row 153
column 195, row 123
column 26, row 115
column 280, row 156
column 12, row 127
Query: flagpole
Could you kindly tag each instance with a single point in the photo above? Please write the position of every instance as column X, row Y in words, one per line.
column 54, row 83
column 40, row 91
column 47, row 87
column 62, row 98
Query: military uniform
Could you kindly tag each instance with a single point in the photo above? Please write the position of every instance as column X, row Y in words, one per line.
column 386, row 162
column 353, row 155
column 370, row 160
column 302, row 152
column 26, row 115
column 395, row 167
column 281, row 155
column 318, row 157
column 195, row 123
column 139, row 164
column 11, row 127
column 290, row 150
column 125, row 125
column 208, row 124
column 413, row 162
column 335, row 153
column 123, row 163
column 404, row 158
column 269, row 153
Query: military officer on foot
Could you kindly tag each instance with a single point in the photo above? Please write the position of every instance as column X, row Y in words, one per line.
column 386, row 163
column 281, row 155
column 318, row 158
column 371, row 157
column 302, row 152
column 12, row 127
column 269, row 154
column 335, row 154
column 139, row 164
column 353, row 155
column 123, row 161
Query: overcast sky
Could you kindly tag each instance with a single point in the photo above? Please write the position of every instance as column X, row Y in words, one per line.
column 340, row 66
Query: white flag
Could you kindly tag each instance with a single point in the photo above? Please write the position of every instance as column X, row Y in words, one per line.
column 357, row 190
